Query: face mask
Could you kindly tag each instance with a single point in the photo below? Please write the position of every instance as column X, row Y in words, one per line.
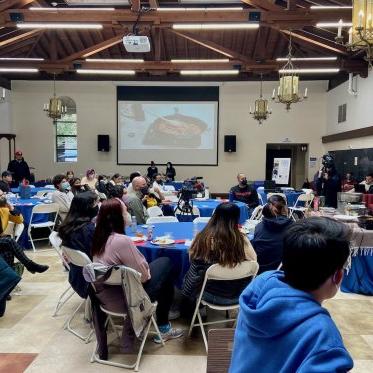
column 244, row 182
column 93, row 211
column 144, row 191
column 168, row 166
column 65, row 186
column 160, row 182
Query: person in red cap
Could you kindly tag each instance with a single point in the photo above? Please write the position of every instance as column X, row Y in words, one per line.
column 19, row 168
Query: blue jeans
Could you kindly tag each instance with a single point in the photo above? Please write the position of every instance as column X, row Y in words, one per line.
column 219, row 301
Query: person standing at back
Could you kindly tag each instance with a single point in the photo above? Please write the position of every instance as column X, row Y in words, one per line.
column 19, row 169
column 243, row 192
column 170, row 172
column 152, row 170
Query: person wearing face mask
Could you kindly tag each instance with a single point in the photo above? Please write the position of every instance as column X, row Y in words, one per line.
column 170, row 172
column 90, row 179
column 76, row 232
column 19, row 169
column 63, row 195
column 157, row 187
column 140, row 190
column 243, row 192
column 152, row 170
column 282, row 312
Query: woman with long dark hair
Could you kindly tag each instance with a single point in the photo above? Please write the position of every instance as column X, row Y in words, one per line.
column 76, row 233
column 220, row 242
column 112, row 247
column 170, row 172
column 269, row 233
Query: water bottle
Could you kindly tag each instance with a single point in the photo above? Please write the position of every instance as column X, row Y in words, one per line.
column 133, row 224
column 149, row 233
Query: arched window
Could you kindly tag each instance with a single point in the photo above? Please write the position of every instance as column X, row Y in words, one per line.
column 66, row 133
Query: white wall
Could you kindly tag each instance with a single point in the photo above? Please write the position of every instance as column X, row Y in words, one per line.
column 5, row 128
column 96, row 109
column 359, row 113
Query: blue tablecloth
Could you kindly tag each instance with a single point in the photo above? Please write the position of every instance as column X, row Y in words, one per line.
column 178, row 253
column 176, row 184
column 291, row 197
column 359, row 278
column 33, row 190
column 25, row 206
column 206, row 208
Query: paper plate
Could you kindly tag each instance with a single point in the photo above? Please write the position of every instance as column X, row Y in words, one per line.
column 161, row 241
column 137, row 239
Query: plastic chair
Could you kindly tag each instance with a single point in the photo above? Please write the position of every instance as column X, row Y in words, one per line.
column 257, row 213
column 51, row 208
column 162, row 219
column 200, row 219
column 56, row 243
column 115, row 279
column 79, row 259
column 277, row 194
column 260, row 199
column 307, row 199
column 41, row 193
column 217, row 272
column 154, row 211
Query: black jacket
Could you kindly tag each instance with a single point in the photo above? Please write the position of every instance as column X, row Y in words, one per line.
column 4, row 186
column 171, row 173
column 329, row 188
column 80, row 239
column 152, row 172
column 19, row 170
column 246, row 195
column 268, row 242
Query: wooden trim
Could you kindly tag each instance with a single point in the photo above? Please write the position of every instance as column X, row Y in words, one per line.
column 347, row 135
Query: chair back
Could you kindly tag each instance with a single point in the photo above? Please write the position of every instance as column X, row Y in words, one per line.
column 277, row 194
column 201, row 219
column 154, row 211
column 307, row 198
column 9, row 230
column 18, row 230
column 45, row 208
column 242, row 270
column 115, row 277
column 56, row 242
column 76, row 257
column 260, row 199
column 196, row 211
column 162, row 219
column 257, row 213
column 41, row 193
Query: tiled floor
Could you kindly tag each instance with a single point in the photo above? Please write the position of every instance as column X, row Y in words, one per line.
column 30, row 336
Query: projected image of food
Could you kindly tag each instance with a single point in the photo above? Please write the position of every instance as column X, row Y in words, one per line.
column 175, row 130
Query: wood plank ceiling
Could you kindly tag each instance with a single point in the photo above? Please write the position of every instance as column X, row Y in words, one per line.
column 253, row 51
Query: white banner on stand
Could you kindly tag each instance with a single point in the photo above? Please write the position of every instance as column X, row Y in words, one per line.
column 281, row 170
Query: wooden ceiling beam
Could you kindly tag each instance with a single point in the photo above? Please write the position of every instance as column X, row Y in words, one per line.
column 94, row 49
column 135, row 5
column 153, row 4
column 20, row 37
column 8, row 4
column 263, row 4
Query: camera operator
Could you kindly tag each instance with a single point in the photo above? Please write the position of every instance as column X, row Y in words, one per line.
column 328, row 183
column 243, row 192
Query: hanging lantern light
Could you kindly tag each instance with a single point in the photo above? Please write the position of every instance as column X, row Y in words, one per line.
column 55, row 109
column 288, row 90
column 261, row 110
column 361, row 32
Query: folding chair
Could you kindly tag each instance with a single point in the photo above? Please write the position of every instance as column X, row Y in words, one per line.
column 115, row 279
column 79, row 259
column 41, row 193
column 51, row 208
column 56, row 243
column 257, row 213
column 217, row 272
column 305, row 198
column 200, row 219
column 162, row 219
column 154, row 211
column 14, row 230
column 277, row 194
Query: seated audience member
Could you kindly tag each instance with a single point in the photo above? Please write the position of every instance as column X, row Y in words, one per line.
column 152, row 170
column 219, row 242
column 63, row 195
column 132, row 176
column 90, row 179
column 76, row 186
column 348, row 183
column 368, row 183
column 112, row 247
column 135, row 199
column 9, row 248
column 170, row 172
column 102, row 186
column 244, row 192
column 117, row 192
column 269, row 233
column 8, row 281
column 76, row 232
column 70, row 175
column 6, row 181
column 116, row 179
column 157, row 186
column 281, row 312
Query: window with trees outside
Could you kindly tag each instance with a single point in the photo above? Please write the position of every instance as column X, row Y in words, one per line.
column 66, row 133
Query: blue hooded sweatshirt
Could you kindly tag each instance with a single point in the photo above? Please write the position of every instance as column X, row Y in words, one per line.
column 282, row 329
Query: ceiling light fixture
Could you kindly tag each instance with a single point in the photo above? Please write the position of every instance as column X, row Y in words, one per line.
column 261, row 109
column 55, row 108
column 283, row 59
column 214, row 26
column 221, row 60
column 209, row 72
column 113, row 60
column 106, row 72
column 326, row 7
column 18, row 70
column 70, row 9
column 204, row 9
column 20, row 59
column 333, row 24
column 33, row 25
column 310, row 71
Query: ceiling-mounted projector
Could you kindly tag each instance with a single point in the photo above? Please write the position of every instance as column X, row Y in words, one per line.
column 136, row 44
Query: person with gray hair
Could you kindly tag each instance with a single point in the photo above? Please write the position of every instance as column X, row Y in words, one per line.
column 135, row 199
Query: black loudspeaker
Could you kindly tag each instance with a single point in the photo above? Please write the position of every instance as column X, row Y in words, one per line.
column 230, row 143
column 103, row 143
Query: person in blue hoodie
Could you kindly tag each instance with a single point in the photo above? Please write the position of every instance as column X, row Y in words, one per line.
column 269, row 233
column 282, row 326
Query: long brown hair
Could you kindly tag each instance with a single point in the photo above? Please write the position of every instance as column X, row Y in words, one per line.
column 109, row 220
column 275, row 206
column 220, row 241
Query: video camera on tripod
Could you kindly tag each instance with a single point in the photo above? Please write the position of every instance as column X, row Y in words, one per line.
column 191, row 189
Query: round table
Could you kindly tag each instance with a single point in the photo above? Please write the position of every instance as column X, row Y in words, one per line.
column 33, row 191
column 207, row 207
